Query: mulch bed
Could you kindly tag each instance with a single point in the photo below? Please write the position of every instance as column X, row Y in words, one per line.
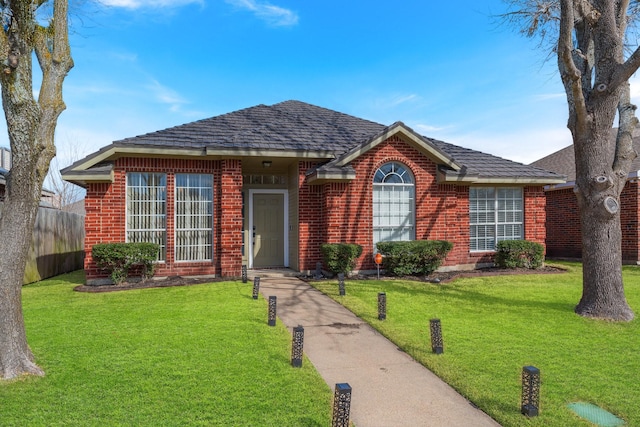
column 437, row 277
column 149, row 283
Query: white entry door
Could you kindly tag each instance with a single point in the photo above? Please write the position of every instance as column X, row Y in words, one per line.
column 269, row 235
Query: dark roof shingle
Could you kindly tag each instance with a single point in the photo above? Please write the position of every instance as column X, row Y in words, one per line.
column 298, row 126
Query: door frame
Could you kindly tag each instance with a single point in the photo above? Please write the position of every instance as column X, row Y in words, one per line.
column 285, row 211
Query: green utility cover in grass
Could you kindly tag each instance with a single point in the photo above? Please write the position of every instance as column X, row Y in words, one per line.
column 595, row 414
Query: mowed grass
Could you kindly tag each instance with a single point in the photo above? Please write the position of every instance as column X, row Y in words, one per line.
column 182, row 356
column 494, row 326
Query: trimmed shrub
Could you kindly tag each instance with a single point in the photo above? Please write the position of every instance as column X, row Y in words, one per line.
column 413, row 257
column 340, row 257
column 118, row 258
column 519, row 254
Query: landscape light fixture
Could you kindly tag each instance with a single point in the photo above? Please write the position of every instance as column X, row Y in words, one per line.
column 256, row 286
column 341, row 288
column 530, row 391
column 296, row 346
column 382, row 306
column 436, row 336
column 341, row 405
column 272, row 310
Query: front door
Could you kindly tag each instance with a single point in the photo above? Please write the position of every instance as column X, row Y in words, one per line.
column 268, row 230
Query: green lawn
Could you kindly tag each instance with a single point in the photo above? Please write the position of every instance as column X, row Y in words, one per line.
column 195, row 355
column 493, row 326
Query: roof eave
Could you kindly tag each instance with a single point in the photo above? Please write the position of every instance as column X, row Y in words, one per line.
column 447, row 176
column 318, row 177
column 82, row 178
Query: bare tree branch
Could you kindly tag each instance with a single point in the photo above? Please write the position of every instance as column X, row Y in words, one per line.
column 571, row 75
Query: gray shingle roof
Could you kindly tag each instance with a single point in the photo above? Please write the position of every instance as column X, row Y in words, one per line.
column 290, row 125
column 487, row 165
column 563, row 161
column 298, row 126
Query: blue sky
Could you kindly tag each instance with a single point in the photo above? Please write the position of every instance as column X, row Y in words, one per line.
column 446, row 69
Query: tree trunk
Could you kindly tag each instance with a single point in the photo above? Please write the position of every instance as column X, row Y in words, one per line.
column 31, row 126
column 15, row 356
column 602, row 286
column 595, row 76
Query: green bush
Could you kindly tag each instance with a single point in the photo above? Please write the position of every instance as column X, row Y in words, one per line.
column 340, row 257
column 413, row 257
column 118, row 258
column 519, row 254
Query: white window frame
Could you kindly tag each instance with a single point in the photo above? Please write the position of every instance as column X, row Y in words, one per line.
column 501, row 211
column 206, row 204
column 160, row 213
column 408, row 183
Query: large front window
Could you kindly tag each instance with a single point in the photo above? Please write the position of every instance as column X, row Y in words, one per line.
column 147, row 209
column 194, row 217
column 495, row 214
column 393, row 204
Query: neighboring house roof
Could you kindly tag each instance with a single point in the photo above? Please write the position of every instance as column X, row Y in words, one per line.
column 295, row 129
column 563, row 161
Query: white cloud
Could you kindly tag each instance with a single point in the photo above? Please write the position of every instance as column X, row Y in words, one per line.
column 403, row 98
column 273, row 15
column 138, row 4
column 548, row 96
column 166, row 95
column 523, row 146
column 426, row 130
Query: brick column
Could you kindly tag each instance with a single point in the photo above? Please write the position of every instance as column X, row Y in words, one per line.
column 230, row 233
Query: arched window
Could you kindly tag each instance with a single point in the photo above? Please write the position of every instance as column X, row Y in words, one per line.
column 393, row 203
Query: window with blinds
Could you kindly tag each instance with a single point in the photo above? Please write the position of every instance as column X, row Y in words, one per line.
column 495, row 214
column 194, row 217
column 147, row 209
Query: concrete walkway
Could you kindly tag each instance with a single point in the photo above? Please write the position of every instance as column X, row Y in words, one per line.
column 389, row 387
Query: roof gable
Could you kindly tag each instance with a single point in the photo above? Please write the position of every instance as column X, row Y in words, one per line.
column 407, row 134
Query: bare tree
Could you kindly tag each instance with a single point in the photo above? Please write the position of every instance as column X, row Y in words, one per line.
column 595, row 69
column 31, row 125
column 65, row 193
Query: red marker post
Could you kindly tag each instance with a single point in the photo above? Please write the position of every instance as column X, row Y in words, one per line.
column 378, row 261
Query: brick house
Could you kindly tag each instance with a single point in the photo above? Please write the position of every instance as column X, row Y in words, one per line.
column 267, row 185
column 564, row 239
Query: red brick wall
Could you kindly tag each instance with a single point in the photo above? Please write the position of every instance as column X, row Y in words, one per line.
column 334, row 212
column 105, row 206
column 310, row 231
column 230, row 218
column 563, row 224
column 630, row 205
column 342, row 212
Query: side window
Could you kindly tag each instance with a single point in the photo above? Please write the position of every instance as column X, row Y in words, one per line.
column 194, row 217
column 495, row 214
column 147, row 209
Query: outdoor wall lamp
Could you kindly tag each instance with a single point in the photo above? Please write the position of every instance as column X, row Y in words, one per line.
column 266, row 163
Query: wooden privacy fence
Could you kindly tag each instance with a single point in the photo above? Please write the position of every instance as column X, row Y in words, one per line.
column 57, row 244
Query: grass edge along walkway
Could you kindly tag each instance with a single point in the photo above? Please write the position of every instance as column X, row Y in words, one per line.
column 193, row 355
column 493, row 326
